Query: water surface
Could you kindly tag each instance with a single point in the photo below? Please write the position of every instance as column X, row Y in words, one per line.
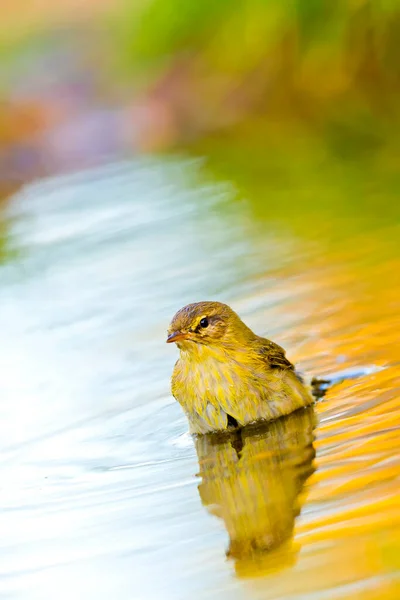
column 103, row 493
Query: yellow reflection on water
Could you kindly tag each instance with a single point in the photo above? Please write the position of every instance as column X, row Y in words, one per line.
column 340, row 319
column 349, row 529
column 253, row 479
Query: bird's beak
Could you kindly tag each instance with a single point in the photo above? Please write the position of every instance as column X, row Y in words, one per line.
column 176, row 336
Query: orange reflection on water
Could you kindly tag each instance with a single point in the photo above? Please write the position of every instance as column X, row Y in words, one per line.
column 345, row 541
column 352, row 527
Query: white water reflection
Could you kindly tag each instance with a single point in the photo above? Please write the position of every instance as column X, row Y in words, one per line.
column 98, row 493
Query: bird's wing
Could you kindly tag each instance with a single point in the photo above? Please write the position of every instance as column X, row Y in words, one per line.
column 274, row 355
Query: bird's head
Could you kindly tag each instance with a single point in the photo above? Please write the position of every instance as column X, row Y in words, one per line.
column 207, row 323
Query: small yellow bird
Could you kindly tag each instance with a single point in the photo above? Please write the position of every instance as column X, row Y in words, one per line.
column 227, row 376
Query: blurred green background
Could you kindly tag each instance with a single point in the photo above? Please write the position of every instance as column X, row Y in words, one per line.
column 278, row 96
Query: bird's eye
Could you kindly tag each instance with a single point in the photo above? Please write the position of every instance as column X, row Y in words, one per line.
column 204, row 322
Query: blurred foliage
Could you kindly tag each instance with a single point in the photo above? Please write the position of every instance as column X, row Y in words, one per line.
column 297, row 96
column 299, row 100
column 316, row 49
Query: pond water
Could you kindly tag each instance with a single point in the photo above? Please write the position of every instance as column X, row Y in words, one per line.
column 103, row 493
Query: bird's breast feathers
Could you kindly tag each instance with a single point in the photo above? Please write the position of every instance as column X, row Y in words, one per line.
column 211, row 385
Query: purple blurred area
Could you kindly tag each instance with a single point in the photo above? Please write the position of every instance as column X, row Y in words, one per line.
column 54, row 116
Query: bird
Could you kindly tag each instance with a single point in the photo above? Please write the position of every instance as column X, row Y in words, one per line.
column 226, row 376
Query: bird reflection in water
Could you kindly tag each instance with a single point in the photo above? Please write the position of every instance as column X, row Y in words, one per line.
column 252, row 479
